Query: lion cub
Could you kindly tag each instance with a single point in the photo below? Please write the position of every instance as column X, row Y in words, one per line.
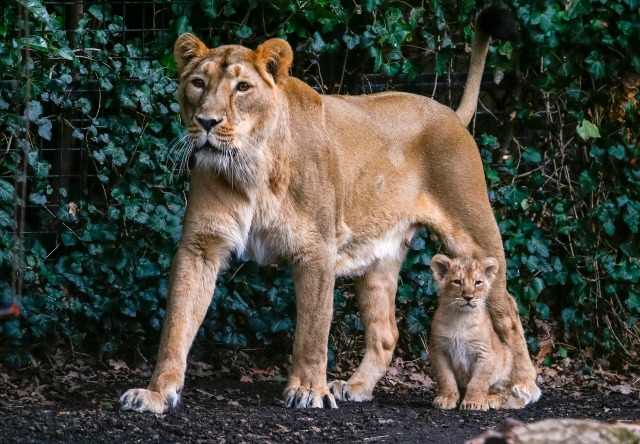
column 465, row 351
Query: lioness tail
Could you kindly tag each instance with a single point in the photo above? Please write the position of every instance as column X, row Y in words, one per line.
column 491, row 21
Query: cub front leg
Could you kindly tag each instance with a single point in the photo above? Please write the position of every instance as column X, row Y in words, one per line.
column 307, row 386
column 193, row 275
column 475, row 397
column 448, row 393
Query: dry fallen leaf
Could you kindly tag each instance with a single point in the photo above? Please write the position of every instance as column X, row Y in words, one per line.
column 117, row 364
column 625, row 389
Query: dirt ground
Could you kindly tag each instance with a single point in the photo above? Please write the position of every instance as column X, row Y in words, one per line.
column 80, row 405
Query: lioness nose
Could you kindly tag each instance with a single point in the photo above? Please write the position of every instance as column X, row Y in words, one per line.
column 208, row 123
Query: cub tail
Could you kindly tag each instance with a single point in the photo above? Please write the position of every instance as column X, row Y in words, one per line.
column 491, row 21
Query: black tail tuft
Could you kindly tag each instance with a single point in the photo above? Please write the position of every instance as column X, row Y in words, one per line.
column 497, row 21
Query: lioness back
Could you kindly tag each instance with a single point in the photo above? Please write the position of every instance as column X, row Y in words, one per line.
column 392, row 120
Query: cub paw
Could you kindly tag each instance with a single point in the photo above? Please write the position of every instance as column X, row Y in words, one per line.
column 302, row 398
column 147, row 401
column 350, row 392
column 443, row 402
column 474, row 405
column 528, row 392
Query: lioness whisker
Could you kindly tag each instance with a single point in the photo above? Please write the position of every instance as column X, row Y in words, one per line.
column 176, row 152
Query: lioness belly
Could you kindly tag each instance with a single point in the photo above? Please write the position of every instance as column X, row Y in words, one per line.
column 356, row 254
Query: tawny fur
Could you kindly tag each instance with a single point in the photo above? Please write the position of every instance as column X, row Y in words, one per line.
column 335, row 186
column 465, row 352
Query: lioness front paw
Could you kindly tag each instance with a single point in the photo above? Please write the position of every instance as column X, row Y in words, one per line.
column 147, row 401
column 350, row 392
column 528, row 392
column 444, row 402
column 302, row 397
column 474, row 405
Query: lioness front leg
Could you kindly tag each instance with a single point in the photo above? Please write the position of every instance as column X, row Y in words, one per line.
column 314, row 279
column 376, row 292
column 193, row 276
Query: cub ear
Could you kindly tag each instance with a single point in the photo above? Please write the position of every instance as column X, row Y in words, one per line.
column 187, row 48
column 440, row 265
column 491, row 267
column 275, row 56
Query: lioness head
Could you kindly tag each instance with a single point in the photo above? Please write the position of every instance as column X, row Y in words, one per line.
column 464, row 282
column 230, row 99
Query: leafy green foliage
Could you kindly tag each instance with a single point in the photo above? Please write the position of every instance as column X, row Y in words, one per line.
column 561, row 163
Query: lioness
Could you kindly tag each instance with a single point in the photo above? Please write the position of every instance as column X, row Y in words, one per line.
column 464, row 350
column 336, row 186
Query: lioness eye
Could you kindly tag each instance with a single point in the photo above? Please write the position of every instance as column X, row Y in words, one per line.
column 243, row 86
column 198, row 83
column 457, row 281
column 478, row 283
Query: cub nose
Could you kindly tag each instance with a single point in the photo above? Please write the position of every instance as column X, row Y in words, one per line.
column 208, row 123
column 467, row 297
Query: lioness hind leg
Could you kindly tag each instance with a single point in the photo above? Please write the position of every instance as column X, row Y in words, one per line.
column 375, row 292
column 459, row 212
column 505, row 400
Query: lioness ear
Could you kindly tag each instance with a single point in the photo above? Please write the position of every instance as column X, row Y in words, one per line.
column 440, row 265
column 275, row 56
column 187, row 48
column 491, row 267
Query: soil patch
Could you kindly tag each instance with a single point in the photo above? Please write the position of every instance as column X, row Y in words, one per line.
column 228, row 411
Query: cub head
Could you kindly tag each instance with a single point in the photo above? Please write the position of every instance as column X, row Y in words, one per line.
column 230, row 99
column 464, row 282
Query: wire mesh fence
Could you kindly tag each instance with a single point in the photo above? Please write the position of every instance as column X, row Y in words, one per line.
column 64, row 149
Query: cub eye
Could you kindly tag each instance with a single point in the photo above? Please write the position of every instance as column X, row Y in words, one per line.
column 243, row 86
column 198, row 83
column 457, row 282
column 478, row 283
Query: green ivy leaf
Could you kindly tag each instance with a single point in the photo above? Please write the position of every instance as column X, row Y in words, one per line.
column 370, row 5
column 633, row 302
column 97, row 12
column 617, row 151
column 597, row 69
column 33, row 110
column 35, row 42
column 588, row 130
column 390, row 69
column 443, row 57
column 543, row 310
column 405, row 293
column 284, row 324
column 7, row 192
column 531, row 155
column 244, row 32
column 351, row 40
column 6, row 220
column 66, row 53
column 317, row 44
column 37, row 198
column 44, row 128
